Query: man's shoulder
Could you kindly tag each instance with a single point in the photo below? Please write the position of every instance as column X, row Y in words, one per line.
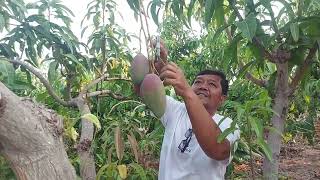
column 171, row 101
column 219, row 119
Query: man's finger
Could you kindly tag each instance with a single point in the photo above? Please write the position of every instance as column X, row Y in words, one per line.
column 168, row 82
column 169, row 67
column 167, row 74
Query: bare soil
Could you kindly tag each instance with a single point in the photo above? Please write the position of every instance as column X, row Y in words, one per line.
column 298, row 161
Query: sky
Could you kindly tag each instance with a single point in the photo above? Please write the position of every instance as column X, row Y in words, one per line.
column 127, row 21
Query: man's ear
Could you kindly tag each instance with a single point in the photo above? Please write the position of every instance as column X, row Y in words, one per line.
column 223, row 98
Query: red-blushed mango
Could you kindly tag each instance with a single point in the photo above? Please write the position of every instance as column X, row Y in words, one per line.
column 139, row 68
column 153, row 94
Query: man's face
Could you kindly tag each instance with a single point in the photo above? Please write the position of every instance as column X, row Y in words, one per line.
column 209, row 90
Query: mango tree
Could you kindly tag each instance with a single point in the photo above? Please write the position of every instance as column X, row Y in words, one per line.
column 282, row 38
column 38, row 43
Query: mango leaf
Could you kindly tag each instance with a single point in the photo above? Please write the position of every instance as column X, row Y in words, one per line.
column 134, row 146
column 139, row 170
column 118, row 143
column 248, row 27
column 265, row 148
column 219, row 13
column 294, row 29
column 218, row 32
column 2, row 22
column 101, row 171
column 7, row 71
column 256, row 126
column 155, row 11
column 224, row 134
column 52, row 71
column 288, row 7
column 122, row 171
column 92, row 118
column 208, row 11
column 107, row 169
column 190, row 10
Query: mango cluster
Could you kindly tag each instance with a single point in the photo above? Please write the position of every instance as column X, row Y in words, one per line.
column 152, row 90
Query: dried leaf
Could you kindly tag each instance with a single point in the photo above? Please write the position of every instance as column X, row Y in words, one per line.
column 134, row 146
column 118, row 143
column 122, row 171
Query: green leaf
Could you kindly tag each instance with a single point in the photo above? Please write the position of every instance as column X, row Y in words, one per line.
column 294, row 29
column 248, row 27
column 208, row 12
column 139, row 170
column 265, row 148
column 92, row 118
column 288, row 6
column 190, row 10
column 155, row 11
column 224, row 134
column 7, row 71
column 219, row 13
column 2, row 22
column 52, row 71
column 256, row 126
column 218, row 32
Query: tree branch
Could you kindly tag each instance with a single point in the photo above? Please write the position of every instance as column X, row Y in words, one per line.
column 116, row 79
column 303, row 68
column 107, row 92
column 44, row 81
column 91, row 84
column 250, row 77
column 87, row 164
column 259, row 82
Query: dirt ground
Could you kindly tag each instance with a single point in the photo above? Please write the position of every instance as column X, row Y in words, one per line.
column 300, row 162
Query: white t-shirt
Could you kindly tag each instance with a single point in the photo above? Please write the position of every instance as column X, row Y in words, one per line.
column 193, row 163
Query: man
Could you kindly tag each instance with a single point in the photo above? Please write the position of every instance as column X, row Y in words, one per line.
column 190, row 149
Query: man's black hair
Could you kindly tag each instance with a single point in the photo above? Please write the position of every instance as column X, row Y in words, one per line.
column 224, row 82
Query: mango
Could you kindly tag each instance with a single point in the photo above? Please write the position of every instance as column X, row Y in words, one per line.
column 153, row 94
column 139, row 68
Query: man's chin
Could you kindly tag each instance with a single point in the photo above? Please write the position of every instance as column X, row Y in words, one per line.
column 203, row 99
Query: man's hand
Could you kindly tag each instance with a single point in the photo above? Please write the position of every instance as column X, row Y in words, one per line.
column 172, row 75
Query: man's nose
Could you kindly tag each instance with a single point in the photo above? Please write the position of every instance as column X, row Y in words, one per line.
column 203, row 86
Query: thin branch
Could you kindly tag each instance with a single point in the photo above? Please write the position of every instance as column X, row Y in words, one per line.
column 146, row 20
column 303, row 68
column 91, row 84
column 144, row 33
column 106, row 93
column 67, row 89
column 249, row 76
column 259, row 82
column 43, row 80
column 117, row 79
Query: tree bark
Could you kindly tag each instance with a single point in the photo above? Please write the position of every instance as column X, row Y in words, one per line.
column 271, row 168
column 30, row 139
column 87, row 163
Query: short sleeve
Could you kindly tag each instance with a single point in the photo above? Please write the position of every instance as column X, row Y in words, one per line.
column 169, row 115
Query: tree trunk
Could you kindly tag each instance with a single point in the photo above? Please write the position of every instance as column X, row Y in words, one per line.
column 271, row 168
column 87, row 164
column 30, row 139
